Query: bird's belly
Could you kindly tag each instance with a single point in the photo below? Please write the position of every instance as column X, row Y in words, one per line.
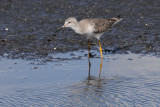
column 88, row 36
column 98, row 36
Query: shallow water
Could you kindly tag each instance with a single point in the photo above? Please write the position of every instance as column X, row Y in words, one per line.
column 125, row 80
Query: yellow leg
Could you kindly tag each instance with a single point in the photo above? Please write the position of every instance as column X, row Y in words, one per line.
column 100, row 49
column 100, row 68
column 89, row 48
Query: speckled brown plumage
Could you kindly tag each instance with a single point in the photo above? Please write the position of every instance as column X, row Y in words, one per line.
column 102, row 25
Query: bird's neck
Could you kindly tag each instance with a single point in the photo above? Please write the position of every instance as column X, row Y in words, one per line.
column 77, row 28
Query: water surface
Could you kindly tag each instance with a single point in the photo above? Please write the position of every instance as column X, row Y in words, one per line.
column 125, row 80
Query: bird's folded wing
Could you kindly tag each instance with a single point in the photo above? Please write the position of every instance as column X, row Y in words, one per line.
column 102, row 25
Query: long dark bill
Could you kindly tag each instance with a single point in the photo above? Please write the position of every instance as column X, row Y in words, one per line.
column 58, row 29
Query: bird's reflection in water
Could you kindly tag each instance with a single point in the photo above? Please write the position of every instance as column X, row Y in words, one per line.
column 89, row 62
column 92, row 87
column 95, row 82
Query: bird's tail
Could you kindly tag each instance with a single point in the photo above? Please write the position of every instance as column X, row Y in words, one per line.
column 119, row 18
column 115, row 20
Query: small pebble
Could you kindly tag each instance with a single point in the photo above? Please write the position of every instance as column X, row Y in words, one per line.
column 146, row 24
column 35, row 68
column 130, row 59
column 6, row 29
column 141, row 17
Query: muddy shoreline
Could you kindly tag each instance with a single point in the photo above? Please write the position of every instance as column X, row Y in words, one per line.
column 27, row 27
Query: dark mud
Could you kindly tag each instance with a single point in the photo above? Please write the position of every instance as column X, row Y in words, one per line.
column 27, row 27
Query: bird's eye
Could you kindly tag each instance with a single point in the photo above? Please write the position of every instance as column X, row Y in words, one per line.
column 69, row 22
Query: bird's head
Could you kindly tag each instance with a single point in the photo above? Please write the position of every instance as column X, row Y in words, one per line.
column 70, row 22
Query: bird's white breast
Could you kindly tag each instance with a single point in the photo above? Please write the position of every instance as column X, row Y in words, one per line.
column 89, row 30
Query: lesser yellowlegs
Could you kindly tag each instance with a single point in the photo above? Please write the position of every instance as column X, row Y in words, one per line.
column 92, row 27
